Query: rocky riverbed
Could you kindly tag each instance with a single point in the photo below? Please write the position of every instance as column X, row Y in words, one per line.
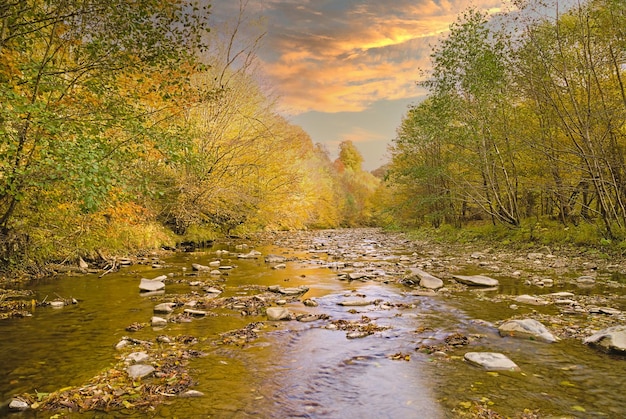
column 436, row 307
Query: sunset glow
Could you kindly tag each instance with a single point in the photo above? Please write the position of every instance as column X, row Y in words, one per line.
column 344, row 56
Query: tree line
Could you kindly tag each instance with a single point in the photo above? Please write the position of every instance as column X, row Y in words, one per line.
column 524, row 120
column 130, row 125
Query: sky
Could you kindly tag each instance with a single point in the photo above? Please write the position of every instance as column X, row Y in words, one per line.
column 347, row 69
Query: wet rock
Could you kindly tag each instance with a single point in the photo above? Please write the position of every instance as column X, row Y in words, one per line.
column 562, row 294
column 280, row 266
column 612, row 339
column 357, row 334
column 212, row 290
column 603, row 310
column 353, row 276
column 215, row 272
column 164, row 308
column 158, row 321
column 355, row 303
column 305, row 318
column 277, row 313
column 424, row 293
column 427, row 280
column 531, row 299
column 192, row 393
column 288, row 291
column 491, row 361
column 275, row 259
column 253, row 254
column 310, row 303
column 139, row 370
column 200, row 268
column 526, row 328
column 195, row 313
column 477, row 280
column 18, row 405
column 214, row 264
column 155, row 284
column 137, row 357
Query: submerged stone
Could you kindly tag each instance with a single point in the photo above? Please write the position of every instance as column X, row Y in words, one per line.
column 355, row 303
column 531, row 299
column 526, row 328
column 477, row 280
column 491, row 361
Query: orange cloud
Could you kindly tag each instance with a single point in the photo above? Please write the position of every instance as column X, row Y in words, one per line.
column 336, row 56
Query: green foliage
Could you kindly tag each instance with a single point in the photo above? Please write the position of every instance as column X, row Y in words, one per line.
column 520, row 125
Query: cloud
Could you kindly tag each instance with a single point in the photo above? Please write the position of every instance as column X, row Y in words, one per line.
column 338, row 56
column 345, row 55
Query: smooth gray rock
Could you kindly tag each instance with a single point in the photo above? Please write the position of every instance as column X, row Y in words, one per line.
column 612, row 339
column 200, row 268
column 152, row 284
column 277, row 313
column 18, row 405
column 526, row 328
column 477, row 280
column 164, row 308
column 427, row 280
column 158, row 321
column 353, row 276
column 531, row 299
column 137, row 357
column 491, row 361
column 139, row 370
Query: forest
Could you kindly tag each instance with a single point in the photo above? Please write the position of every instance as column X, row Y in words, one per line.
column 523, row 125
column 129, row 126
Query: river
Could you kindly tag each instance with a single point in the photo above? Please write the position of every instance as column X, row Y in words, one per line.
column 313, row 369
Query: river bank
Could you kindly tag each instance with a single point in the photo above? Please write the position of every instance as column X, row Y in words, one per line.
column 337, row 312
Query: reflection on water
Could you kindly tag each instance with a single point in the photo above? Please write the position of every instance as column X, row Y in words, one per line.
column 304, row 369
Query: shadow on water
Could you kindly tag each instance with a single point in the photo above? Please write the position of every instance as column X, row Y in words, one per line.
column 308, row 370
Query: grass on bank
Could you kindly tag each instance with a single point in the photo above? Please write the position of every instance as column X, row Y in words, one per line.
column 586, row 237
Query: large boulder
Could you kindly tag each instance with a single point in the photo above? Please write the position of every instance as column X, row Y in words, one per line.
column 612, row 339
column 491, row 361
column 427, row 280
column 526, row 328
column 477, row 280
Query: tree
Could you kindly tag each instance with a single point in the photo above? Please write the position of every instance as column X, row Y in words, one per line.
column 71, row 118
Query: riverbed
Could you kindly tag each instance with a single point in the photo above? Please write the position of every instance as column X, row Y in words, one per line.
column 369, row 343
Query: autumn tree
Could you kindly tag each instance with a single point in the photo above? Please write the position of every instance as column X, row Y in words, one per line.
column 69, row 120
column 357, row 185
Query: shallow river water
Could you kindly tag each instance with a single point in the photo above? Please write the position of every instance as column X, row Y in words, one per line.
column 308, row 370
